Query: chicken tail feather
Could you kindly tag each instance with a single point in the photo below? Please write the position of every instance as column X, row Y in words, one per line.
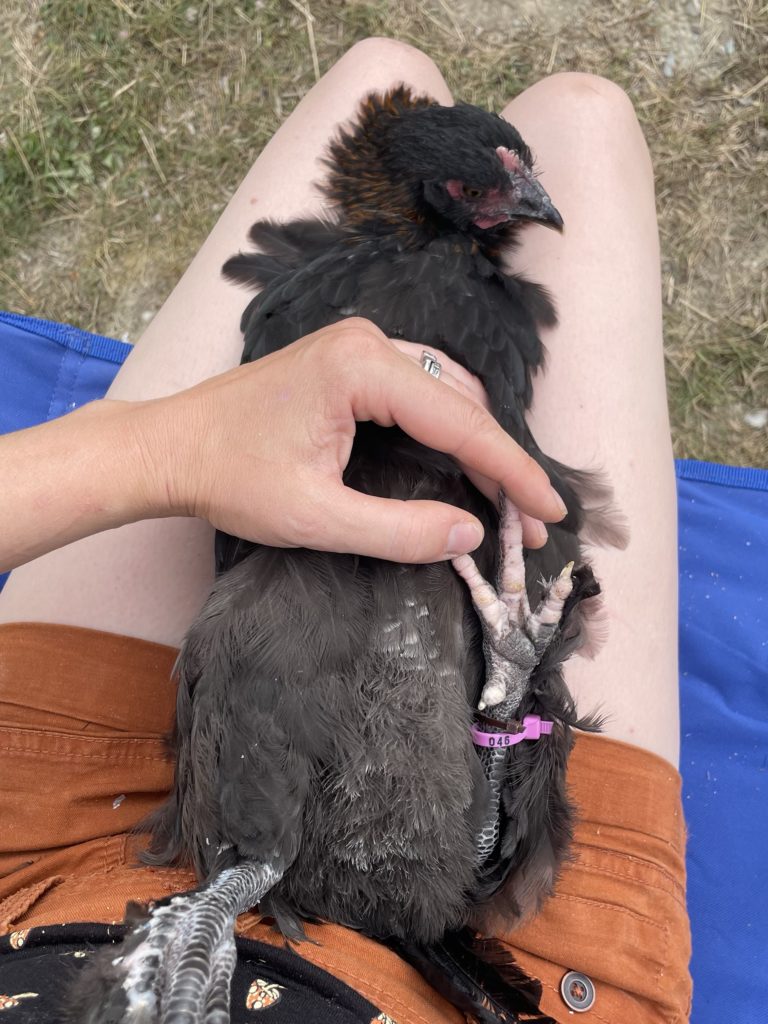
column 479, row 976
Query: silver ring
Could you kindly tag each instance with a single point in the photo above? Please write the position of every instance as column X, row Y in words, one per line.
column 431, row 364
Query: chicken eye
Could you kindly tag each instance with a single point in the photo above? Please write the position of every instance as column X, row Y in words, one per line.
column 472, row 193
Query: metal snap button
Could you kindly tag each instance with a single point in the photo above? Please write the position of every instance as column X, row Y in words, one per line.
column 577, row 991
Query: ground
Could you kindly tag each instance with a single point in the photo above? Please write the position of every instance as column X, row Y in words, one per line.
column 126, row 124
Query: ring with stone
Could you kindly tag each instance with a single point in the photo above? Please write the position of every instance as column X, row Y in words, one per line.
column 430, row 364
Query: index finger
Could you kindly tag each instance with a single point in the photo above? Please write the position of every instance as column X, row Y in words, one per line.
column 440, row 417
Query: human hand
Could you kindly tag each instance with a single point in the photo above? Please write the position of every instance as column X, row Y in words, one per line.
column 260, row 451
column 461, row 380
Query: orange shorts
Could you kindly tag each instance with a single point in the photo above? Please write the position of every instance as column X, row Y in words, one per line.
column 82, row 720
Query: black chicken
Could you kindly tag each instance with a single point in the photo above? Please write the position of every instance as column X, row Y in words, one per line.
column 327, row 766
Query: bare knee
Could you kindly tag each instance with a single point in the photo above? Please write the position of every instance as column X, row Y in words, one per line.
column 400, row 61
column 592, row 107
column 582, row 89
column 591, row 98
column 384, row 49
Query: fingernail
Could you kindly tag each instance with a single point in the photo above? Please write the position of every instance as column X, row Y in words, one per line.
column 541, row 533
column 463, row 537
column 560, row 503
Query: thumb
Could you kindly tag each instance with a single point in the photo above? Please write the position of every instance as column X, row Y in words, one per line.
column 400, row 531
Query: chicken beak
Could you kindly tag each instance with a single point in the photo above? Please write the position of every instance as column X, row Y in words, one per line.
column 531, row 202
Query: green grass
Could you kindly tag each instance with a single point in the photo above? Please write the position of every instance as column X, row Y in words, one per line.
column 127, row 124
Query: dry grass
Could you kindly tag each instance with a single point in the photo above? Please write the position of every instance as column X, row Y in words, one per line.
column 127, row 123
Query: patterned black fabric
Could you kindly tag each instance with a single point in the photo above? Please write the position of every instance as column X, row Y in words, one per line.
column 38, row 966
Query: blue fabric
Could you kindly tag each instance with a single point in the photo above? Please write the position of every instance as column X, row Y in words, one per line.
column 49, row 369
column 723, row 523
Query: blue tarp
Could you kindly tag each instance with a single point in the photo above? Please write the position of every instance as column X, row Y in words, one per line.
column 48, row 369
column 723, row 542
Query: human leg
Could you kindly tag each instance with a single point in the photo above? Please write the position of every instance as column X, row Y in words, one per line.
column 149, row 579
column 601, row 402
column 618, row 914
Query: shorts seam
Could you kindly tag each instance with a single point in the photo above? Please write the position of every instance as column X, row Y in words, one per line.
column 175, row 877
column 635, row 858
column 644, row 834
column 679, row 889
column 69, row 754
column 634, row 914
column 114, row 728
column 49, row 733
